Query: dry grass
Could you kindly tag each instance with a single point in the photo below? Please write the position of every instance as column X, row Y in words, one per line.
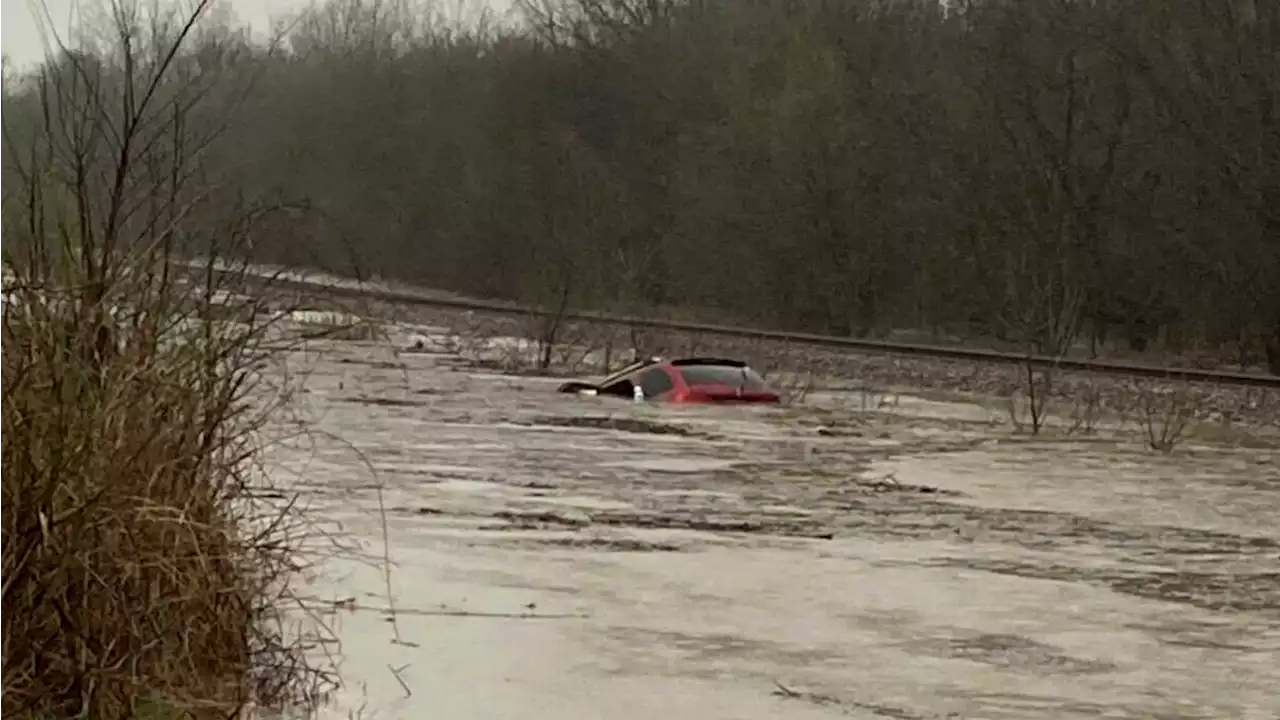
column 140, row 567
column 145, row 562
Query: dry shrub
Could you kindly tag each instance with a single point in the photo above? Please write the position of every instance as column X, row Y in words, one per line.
column 653, row 342
column 794, row 385
column 524, row 344
column 338, row 325
column 873, row 399
column 1028, row 405
column 1165, row 412
column 1086, row 408
column 611, row 353
column 487, row 341
column 469, row 336
column 139, row 563
column 579, row 347
column 785, row 368
column 144, row 561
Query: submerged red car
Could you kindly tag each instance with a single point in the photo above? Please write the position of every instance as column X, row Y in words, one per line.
column 685, row 380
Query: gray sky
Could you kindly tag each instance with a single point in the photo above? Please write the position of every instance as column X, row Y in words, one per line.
column 23, row 43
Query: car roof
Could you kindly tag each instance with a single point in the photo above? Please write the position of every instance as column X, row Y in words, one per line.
column 649, row 362
column 694, row 361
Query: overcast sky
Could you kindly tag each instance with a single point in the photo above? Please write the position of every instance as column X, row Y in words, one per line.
column 22, row 40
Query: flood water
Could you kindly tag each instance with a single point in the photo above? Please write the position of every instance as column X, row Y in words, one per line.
column 564, row 557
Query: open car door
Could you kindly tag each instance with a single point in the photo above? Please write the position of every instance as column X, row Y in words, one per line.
column 611, row 383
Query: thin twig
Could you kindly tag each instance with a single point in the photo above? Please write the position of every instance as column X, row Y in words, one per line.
column 395, row 672
column 322, row 605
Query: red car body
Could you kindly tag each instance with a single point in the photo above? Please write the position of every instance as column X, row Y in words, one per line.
column 685, row 380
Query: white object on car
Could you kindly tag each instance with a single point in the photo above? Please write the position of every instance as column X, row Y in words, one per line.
column 589, row 392
column 637, row 394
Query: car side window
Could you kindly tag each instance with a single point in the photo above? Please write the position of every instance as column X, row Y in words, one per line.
column 655, row 382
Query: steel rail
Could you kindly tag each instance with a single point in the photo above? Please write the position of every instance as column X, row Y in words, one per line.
column 356, row 291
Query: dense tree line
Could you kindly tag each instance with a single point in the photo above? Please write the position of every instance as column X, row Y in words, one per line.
column 1037, row 172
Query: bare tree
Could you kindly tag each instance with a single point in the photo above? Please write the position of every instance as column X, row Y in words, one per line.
column 1016, row 175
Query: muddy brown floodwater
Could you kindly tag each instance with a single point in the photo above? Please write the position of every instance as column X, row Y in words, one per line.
column 563, row 557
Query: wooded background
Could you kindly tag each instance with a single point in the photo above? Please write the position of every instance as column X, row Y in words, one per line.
column 1027, row 173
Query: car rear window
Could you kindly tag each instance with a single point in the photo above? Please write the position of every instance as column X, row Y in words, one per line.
column 738, row 377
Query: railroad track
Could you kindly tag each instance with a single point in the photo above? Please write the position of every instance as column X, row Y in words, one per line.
column 355, row 291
